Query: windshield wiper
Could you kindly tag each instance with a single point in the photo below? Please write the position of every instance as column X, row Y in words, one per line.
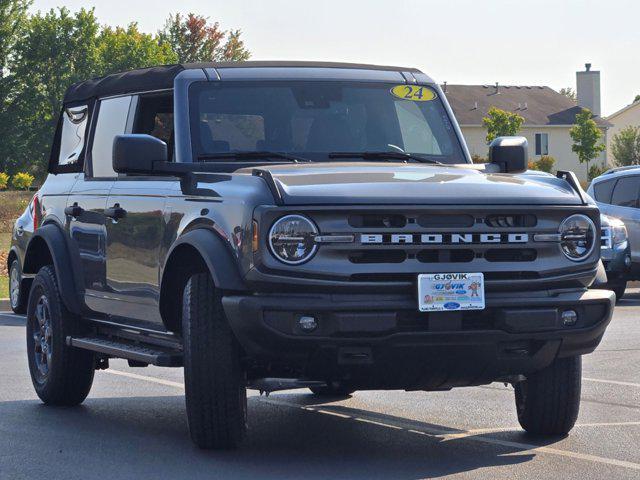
column 383, row 156
column 250, row 155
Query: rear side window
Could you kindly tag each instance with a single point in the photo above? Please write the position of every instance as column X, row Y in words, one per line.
column 625, row 193
column 74, row 129
column 112, row 121
column 603, row 190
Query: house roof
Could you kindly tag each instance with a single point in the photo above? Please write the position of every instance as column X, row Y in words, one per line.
column 161, row 77
column 624, row 109
column 540, row 106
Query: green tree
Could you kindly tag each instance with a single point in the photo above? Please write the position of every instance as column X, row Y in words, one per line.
column 194, row 39
column 57, row 49
column 568, row 92
column 586, row 137
column 636, row 99
column 12, row 17
column 625, row 146
column 501, row 123
column 121, row 49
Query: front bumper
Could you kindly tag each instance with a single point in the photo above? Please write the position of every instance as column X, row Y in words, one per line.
column 382, row 341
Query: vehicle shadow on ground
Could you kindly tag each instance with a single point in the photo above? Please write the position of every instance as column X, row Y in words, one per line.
column 147, row 437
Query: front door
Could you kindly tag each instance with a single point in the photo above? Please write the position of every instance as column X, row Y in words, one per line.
column 135, row 226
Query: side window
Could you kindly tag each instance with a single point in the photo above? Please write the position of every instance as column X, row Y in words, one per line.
column 112, row 121
column 154, row 116
column 542, row 144
column 74, row 129
column 625, row 193
column 603, row 190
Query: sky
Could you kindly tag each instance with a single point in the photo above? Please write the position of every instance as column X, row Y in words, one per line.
column 518, row 42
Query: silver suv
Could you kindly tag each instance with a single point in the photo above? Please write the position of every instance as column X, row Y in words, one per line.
column 617, row 193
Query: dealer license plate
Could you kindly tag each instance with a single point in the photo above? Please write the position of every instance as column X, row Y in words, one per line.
column 442, row 292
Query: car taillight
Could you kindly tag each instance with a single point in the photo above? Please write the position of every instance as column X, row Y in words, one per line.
column 35, row 212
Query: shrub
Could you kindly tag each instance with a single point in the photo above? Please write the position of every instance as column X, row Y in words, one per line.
column 475, row 158
column 545, row 163
column 4, row 181
column 596, row 171
column 22, row 180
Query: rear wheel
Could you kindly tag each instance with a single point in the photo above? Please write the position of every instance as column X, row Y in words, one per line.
column 548, row 401
column 216, row 394
column 61, row 375
column 332, row 389
column 17, row 297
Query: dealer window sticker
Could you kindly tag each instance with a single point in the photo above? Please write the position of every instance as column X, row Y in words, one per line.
column 415, row 93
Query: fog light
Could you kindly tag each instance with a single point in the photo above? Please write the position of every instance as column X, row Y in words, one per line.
column 307, row 323
column 569, row 318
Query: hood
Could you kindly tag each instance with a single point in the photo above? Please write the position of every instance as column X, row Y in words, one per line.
column 399, row 183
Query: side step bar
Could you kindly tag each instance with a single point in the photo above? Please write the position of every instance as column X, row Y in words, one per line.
column 120, row 348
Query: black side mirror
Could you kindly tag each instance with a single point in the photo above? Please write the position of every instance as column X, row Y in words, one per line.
column 511, row 154
column 135, row 153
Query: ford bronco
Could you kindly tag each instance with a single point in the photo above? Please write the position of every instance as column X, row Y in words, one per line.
column 278, row 225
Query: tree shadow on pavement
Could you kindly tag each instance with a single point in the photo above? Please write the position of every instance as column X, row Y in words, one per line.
column 147, row 437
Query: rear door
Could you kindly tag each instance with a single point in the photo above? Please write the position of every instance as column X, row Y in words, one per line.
column 88, row 200
column 135, row 238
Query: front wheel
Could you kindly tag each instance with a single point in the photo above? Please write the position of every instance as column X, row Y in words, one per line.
column 618, row 288
column 548, row 401
column 215, row 383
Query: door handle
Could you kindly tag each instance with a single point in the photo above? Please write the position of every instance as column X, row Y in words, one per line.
column 73, row 211
column 116, row 212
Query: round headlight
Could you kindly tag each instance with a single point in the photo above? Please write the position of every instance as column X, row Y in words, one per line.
column 577, row 237
column 292, row 239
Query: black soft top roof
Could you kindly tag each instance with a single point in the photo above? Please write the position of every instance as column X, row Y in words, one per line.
column 160, row 78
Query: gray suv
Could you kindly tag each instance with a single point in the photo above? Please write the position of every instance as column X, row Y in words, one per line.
column 617, row 194
column 301, row 225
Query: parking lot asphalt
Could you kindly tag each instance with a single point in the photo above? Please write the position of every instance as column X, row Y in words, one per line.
column 133, row 425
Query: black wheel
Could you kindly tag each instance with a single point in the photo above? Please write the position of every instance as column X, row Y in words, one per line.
column 618, row 288
column 332, row 390
column 215, row 383
column 548, row 401
column 17, row 297
column 61, row 375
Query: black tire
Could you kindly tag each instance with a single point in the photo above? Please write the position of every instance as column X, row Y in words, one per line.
column 215, row 383
column 332, row 390
column 61, row 375
column 548, row 401
column 619, row 289
column 17, row 297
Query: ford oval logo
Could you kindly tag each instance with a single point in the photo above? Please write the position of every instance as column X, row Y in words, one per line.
column 452, row 305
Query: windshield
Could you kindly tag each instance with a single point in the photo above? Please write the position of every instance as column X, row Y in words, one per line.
column 312, row 120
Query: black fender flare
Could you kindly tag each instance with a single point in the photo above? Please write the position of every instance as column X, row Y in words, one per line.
column 218, row 257
column 54, row 237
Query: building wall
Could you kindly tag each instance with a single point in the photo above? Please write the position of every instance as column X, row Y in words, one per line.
column 559, row 146
column 630, row 116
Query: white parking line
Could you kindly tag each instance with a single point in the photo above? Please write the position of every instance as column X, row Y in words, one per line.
column 146, row 378
column 446, row 435
column 612, row 382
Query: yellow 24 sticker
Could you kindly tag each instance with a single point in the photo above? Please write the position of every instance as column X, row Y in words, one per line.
column 415, row 93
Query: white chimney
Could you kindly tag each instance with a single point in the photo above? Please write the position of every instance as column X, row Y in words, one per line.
column 588, row 89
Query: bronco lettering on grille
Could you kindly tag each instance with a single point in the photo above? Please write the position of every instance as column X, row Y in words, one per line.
column 442, row 238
